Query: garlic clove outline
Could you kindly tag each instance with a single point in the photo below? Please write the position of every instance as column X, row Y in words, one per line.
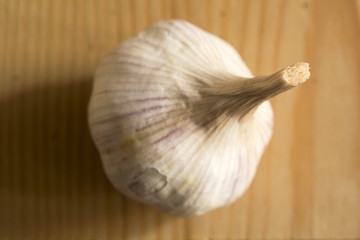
column 179, row 120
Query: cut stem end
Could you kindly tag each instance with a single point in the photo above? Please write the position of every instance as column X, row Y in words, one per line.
column 297, row 73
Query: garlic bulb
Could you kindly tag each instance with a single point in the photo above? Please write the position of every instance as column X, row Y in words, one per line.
column 179, row 120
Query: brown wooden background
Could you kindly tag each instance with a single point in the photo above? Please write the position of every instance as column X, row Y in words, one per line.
column 51, row 181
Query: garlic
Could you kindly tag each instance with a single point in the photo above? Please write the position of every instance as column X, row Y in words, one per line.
column 179, row 120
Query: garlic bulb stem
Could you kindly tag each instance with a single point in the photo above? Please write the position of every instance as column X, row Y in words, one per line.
column 239, row 96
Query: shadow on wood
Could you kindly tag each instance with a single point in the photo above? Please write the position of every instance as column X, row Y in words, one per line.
column 52, row 182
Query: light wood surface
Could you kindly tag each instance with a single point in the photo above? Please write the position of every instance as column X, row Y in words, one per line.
column 52, row 185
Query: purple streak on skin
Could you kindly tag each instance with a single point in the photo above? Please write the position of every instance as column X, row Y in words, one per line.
column 121, row 132
column 157, row 122
column 157, row 115
column 156, row 107
column 126, row 90
column 171, row 135
column 129, row 114
column 146, row 99
column 136, row 101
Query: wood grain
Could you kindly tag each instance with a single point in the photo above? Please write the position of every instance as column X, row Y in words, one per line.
column 52, row 185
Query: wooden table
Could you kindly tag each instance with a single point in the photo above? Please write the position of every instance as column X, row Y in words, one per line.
column 52, row 185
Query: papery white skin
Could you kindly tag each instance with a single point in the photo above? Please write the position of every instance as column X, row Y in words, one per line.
column 142, row 119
